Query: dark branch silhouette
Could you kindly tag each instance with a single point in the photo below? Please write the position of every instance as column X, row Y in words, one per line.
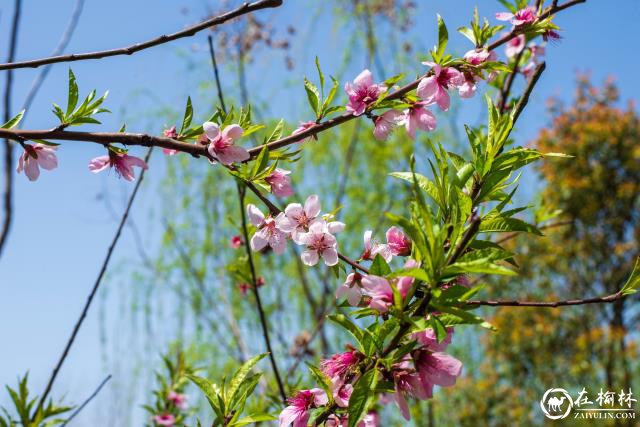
column 8, row 146
column 166, row 38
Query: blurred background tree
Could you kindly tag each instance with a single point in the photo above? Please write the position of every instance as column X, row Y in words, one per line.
column 591, row 219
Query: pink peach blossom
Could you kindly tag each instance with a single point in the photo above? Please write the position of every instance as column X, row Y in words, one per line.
column 398, row 242
column 370, row 420
column 434, row 89
column 386, row 123
column 428, row 339
column 340, row 364
column 320, row 243
column 479, row 56
column 373, row 248
column 297, row 219
column 297, row 413
column 362, row 92
column 335, row 421
column 179, row 400
column 35, row 157
column 170, row 133
column 418, row 117
column 515, row 46
column 165, row 420
column 222, row 144
column 280, row 183
column 352, row 288
column 522, row 17
column 303, row 127
column 341, row 393
column 267, row 233
column 407, row 384
column 121, row 162
column 436, row 368
column 236, row 242
column 404, row 283
column 379, row 290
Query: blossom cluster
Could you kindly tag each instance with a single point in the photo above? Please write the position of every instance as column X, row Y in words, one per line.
column 175, row 401
column 303, row 225
column 414, row 376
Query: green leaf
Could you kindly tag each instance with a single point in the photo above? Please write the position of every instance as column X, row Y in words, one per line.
column 503, row 224
column 346, row 323
column 211, row 392
column 443, row 37
column 362, row 396
column 330, row 96
column 633, row 283
column 261, row 162
column 188, row 116
column 322, row 380
column 13, row 122
column 423, row 182
column 320, row 76
column 439, row 328
column 379, row 267
column 72, row 100
column 240, row 375
column 468, row 33
column 482, row 266
column 457, row 316
column 277, row 132
column 250, row 419
column 313, row 95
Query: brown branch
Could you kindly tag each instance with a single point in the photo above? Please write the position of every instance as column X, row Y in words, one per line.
column 94, row 290
column 198, row 150
column 129, row 50
column 8, row 146
column 517, row 303
column 524, row 99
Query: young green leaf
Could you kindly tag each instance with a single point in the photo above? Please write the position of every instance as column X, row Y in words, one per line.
column 379, row 267
column 14, row 121
column 633, row 284
column 313, row 95
column 188, row 116
column 362, row 396
column 443, row 38
column 72, row 99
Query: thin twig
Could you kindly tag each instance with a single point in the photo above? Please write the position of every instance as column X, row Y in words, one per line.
column 245, row 232
column 129, row 50
column 8, row 146
column 524, row 99
column 96, row 285
column 146, row 140
column 506, row 90
column 215, row 72
column 563, row 303
column 256, row 294
column 89, row 399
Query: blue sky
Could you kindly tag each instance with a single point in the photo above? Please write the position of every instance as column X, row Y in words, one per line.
column 62, row 226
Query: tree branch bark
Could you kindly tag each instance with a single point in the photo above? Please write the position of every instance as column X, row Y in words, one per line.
column 166, row 38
